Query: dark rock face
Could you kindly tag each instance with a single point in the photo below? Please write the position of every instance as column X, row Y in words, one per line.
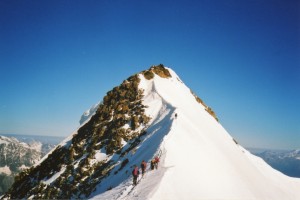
column 120, row 118
column 115, row 130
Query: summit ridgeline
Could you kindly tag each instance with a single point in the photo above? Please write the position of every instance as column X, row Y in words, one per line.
column 151, row 114
column 96, row 150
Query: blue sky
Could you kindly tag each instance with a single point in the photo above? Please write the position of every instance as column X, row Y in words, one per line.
column 58, row 58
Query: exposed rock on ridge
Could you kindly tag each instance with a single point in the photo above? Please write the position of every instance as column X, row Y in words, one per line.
column 119, row 119
column 97, row 149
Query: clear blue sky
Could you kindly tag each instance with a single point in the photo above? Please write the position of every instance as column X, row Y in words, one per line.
column 57, row 58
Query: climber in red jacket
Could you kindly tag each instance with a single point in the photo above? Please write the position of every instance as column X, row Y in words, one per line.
column 135, row 173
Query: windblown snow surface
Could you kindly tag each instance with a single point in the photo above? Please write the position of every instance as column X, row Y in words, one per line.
column 199, row 159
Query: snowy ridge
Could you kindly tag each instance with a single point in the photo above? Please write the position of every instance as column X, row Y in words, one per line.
column 89, row 113
column 160, row 126
column 199, row 159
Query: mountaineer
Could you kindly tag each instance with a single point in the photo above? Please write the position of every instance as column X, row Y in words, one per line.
column 143, row 167
column 135, row 173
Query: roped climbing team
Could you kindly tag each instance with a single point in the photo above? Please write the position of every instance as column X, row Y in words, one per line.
column 135, row 172
column 153, row 164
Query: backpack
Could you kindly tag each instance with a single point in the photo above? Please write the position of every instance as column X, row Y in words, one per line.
column 135, row 171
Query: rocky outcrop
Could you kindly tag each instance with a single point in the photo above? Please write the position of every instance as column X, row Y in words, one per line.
column 118, row 120
column 208, row 109
column 159, row 70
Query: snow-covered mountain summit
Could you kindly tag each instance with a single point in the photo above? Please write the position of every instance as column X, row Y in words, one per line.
column 136, row 121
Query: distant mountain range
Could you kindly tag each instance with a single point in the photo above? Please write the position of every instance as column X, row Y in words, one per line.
column 19, row 152
column 52, row 140
column 285, row 161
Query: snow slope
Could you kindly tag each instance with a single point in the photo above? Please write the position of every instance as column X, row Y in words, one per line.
column 199, row 159
column 87, row 114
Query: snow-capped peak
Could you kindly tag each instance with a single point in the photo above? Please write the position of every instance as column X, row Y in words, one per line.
column 199, row 159
column 151, row 114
